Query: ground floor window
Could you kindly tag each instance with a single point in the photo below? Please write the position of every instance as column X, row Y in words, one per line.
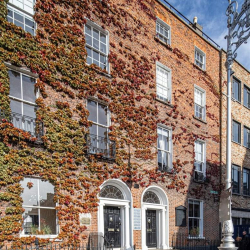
column 195, row 218
column 39, row 217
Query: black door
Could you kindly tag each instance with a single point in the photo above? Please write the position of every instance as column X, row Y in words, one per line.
column 151, row 228
column 112, row 225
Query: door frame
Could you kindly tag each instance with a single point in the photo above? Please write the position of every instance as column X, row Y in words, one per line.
column 126, row 212
column 162, row 218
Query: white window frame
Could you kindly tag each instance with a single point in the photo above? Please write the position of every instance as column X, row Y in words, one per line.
column 203, row 102
column 165, row 26
column 203, row 143
column 23, row 101
column 170, row 144
column 22, row 234
column 20, row 5
column 169, row 83
column 197, row 61
column 23, row 13
column 106, row 32
column 200, row 218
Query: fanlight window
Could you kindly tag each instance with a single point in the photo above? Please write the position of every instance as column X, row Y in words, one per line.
column 151, row 197
column 111, row 192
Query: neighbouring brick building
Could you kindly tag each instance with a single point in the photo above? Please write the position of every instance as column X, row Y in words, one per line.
column 240, row 141
column 110, row 123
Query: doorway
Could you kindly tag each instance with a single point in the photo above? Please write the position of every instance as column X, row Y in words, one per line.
column 112, row 226
column 151, row 230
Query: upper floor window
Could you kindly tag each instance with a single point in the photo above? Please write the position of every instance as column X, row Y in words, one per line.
column 163, row 82
column 236, row 179
column 236, row 132
column 99, row 142
column 22, row 101
column 164, row 148
column 96, row 45
column 200, row 58
column 39, row 215
column 236, row 90
column 162, row 31
column 200, row 103
column 195, row 218
column 246, row 96
column 246, row 137
column 20, row 12
column 26, row 5
column 246, row 181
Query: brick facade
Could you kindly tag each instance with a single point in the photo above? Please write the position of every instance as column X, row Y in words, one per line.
column 134, row 51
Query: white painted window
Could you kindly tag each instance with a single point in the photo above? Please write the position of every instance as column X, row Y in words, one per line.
column 164, row 147
column 200, row 156
column 39, row 216
column 200, row 58
column 163, row 82
column 195, row 218
column 22, row 20
column 97, row 45
column 200, row 103
column 22, row 101
column 163, row 31
column 25, row 5
column 99, row 142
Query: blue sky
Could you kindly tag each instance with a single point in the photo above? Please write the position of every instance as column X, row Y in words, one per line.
column 211, row 15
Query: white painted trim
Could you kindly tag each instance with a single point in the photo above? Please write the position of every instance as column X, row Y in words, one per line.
column 203, row 100
column 203, row 53
column 126, row 206
column 169, row 78
column 162, row 223
column 166, row 26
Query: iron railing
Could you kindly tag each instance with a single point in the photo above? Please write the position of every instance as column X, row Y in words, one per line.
column 26, row 123
column 188, row 242
column 102, row 146
column 96, row 241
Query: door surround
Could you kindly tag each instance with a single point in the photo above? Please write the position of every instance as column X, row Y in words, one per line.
column 125, row 206
column 162, row 218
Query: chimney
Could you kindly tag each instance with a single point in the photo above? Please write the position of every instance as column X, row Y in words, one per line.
column 197, row 26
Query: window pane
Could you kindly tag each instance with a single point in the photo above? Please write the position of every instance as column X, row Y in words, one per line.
column 30, row 194
column 48, row 221
column 92, row 108
column 160, row 159
column 16, row 107
column 88, row 40
column 197, row 209
column 18, row 17
column 29, row 110
column 190, row 209
column 46, row 194
column 17, row 23
column 29, row 23
column 102, row 114
column 96, row 34
column 15, row 84
column 29, row 89
column 88, row 29
column 96, row 44
column 93, row 129
column 31, row 221
column 103, row 38
column 103, row 48
column 102, row 131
